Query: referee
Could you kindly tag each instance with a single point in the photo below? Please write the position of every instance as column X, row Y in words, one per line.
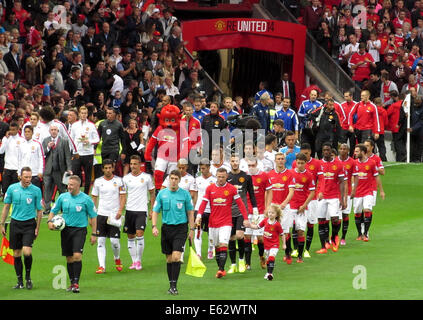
column 178, row 211
column 76, row 207
column 26, row 199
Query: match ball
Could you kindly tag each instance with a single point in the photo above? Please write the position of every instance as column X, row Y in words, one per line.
column 58, row 222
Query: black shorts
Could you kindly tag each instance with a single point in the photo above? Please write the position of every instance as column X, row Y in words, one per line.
column 135, row 220
column 205, row 221
column 106, row 230
column 174, row 237
column 22, row 233
column 73, row 240
column 237, row 224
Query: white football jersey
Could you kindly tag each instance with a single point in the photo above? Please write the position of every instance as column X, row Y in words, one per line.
column 201, row 185
column 243, row 165
column 137, row 188
column 108, row 192
column 187, row 182
column 226, row 165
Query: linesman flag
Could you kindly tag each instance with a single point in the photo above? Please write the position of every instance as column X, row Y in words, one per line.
column 195, row 267
column 6, row 252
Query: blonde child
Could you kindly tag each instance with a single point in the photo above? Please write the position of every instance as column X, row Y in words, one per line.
column 272, row 231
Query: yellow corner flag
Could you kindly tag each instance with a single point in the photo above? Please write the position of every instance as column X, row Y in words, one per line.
column 195, row 267
column 6, row 253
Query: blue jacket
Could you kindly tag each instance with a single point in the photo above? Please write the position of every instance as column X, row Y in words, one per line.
column 306, row 108
column 262, row 114
column 199, row 115
column 289, row 118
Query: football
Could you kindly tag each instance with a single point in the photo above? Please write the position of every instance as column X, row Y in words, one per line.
column 58, row 222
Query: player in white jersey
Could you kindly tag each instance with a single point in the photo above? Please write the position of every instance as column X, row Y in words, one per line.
column 249, row 155
column 137, row 184
column 187, row 183
column 31, row 154
column 34, row 122
column 111, row 191
column 85, row 135
column 218, row 161
column 201, row 184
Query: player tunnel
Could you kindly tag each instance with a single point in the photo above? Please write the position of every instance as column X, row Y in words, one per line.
column 261, row 49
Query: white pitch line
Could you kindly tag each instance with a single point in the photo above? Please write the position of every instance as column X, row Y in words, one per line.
column 400, row 164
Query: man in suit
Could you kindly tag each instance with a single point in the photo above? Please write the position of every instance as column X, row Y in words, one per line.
column 88, row 42
column 287, row 88
column 106, row 37
column 154, row 65
column 58, row 161
column 13, row 61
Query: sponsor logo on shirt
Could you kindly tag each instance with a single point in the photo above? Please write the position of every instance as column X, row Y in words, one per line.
column 219, row 200
column 78, row 208
column 28, row 200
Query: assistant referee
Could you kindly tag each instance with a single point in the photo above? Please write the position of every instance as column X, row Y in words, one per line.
column 26, row 200
column 76, row 207
column 178, row 210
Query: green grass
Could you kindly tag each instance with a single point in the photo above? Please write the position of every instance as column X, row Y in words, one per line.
column 392, row 260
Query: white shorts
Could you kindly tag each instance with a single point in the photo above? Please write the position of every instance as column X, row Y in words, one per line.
column 363, row 203
column 311, row 212
column 271, row 252
column 347, row 210
column 254, row 232
column 299, row 219
column 328, row 208
column 374, row 197
column 164, row 165
column 219, row 235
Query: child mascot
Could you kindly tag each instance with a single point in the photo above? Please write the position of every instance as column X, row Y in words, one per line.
column 172, row 143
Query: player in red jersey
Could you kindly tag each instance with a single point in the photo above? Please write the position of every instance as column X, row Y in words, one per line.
column 331, row 196
column 272, row 231
column 301, row 192
column 220, row 195
column 263, row 194
column 312, row 166
column 348, row 164
column 365, row 173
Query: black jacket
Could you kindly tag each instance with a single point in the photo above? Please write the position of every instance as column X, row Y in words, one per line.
column 327, row 123
column 112, row 134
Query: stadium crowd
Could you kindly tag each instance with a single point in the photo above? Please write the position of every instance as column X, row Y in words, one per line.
column 86, row 93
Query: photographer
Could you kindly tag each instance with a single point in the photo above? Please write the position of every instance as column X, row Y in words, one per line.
column 74, row 85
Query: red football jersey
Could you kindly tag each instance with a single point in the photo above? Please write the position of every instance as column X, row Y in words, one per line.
column 261, row 185
column 331, row 172
column 366, row 172
column 379, row 166
column 279, row 182
column 348, row 165
column 303, row 183
column 271, row 234
column 367, row 117
column 220, row 199
column 343, row 111
column 313, row 167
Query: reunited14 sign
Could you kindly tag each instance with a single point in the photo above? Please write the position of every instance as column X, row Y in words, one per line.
column 258, row 26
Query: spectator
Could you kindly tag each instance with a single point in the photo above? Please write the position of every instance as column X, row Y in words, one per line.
column 88, row 43
column 155, row 45
column 127, row 69
column 35, row 67
column 154, row 65
column 400, row 72
column 312, row 16
column 412, row 83
column 13, row 60
column 383, row 117
column 324, row 37
column 360, row 65
column 106, row 37
column 416, row 130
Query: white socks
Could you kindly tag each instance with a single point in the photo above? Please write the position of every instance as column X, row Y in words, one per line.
column 139, row 248
column 198, row 241
column 101, row 251
column 132, row 249
column 115, row 247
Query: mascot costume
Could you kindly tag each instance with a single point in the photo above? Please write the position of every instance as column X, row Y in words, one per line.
column 172, row 143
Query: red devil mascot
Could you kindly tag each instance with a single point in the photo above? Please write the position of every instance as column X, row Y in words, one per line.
column 172, row 143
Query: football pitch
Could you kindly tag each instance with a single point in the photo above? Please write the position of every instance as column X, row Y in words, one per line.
column 387, row 267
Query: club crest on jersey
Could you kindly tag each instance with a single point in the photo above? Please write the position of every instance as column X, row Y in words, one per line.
column 216, row 123
column 142, row 180
column 334, row 167
column 367, row 167
column 78, row 208
column 284, row 178
column 241, row 180
column 28, row 200
column 226, row 193
column 258, row 180
column 312, row 167
column 348, row 166
column 186, row 180
column 303, row 179
column 33, row 148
